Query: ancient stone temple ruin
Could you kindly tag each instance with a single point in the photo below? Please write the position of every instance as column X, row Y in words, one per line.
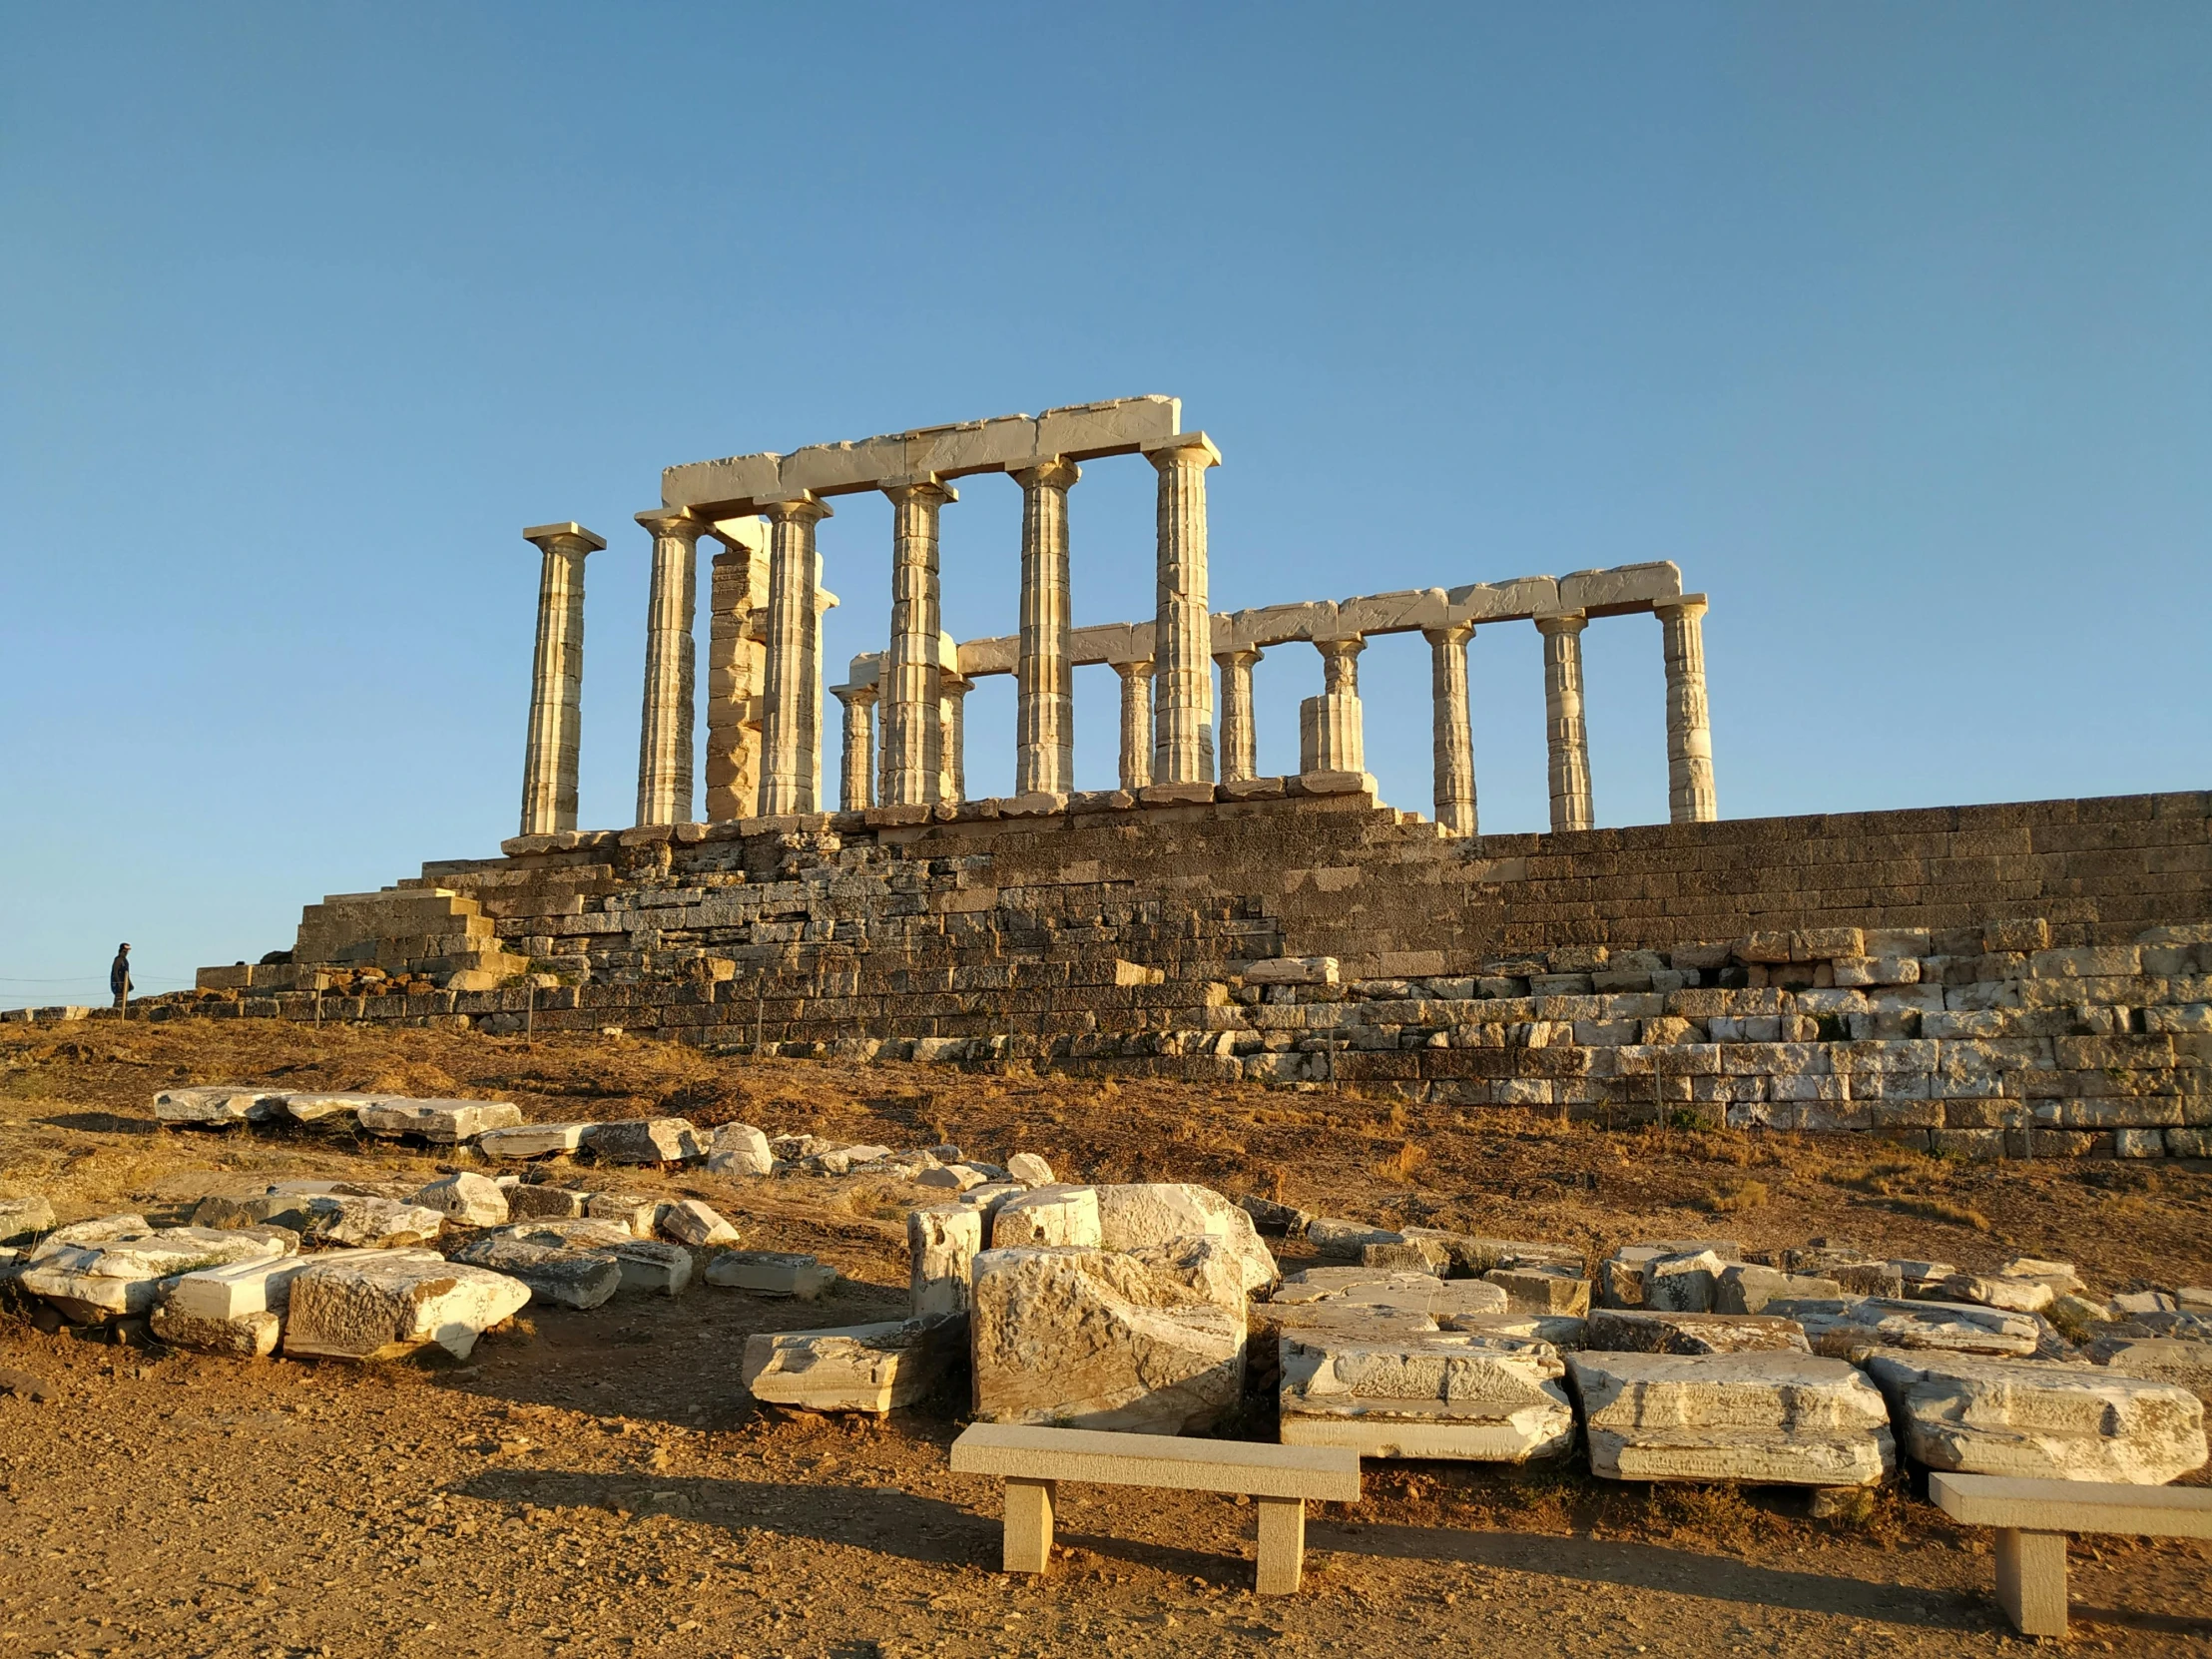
column 1990, row 980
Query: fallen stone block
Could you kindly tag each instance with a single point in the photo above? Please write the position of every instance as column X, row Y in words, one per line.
column 844, row 1160
column 232, row 1213
column 124, row 1274
column 1043, row 1216
column 23, row 1219
column 1562, row 1332
column 943, row 1242
column 93, row 1229
column 1473, row 1398
column 217, row 1106
column 1030, row 1168
column 1746, row 1288
column 1621, row 1276
column 1409, row 1255
column 530, row 1200
column 2041, row 1421
column 1285, row 1221
column 2186, row 1365
column 259, row 1286
column 1991, row 1289
column 590, row 1233
column 471, row 1200
column 557, row 1275
column 956, row 1177
column 1348, row 1320
column 247, row 1336
column 694, row 1221
column 990, row 1196
column 1644, row 1331
column 631, row 1211
column 772, row 1273
column 1095, row 1339
column 1838, row 1329
column 859, row 1367
column 1338, row 1240
column 1683, row 1284
column 739, row 1149
column 643, row 1141
column 333, row 1109
column 395, row 1302
column 369, row 1223
column 2062, row 1276
column 534, row 1140
column 1918, row 1280
column 1539, row 1290
column 1421, row 1292
column 650, row 1267
column 1858, row 1273
column 1762, row 1418
column 1133, row 1214
column 1475, row 1255
column 440, row 1122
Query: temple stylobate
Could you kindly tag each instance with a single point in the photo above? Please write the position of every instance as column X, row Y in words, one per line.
column 903, row 725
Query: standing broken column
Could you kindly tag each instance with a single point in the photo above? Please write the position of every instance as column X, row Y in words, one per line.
column 556, row 679
column 1239, row 739
column 1453, row 741
column 857, row 781
column 791, row 736
column 913, row 714
column 736, row 666
column 1331, row 735
column 1569, row 744
column 664, row 761
column 954, row 688
column 1183, row 695
column 1136, row 722
column 1044, row 669
column 1690, row 794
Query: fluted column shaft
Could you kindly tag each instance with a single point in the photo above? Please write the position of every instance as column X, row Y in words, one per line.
column 1181, row 639
column 556, row 680
column 1136, row 723
column 857, row 781
column 1331, row 735
column 1690, row 794
column 791, row 761
column 952, row 714
column 1453, row 743
column 1044, row 670
column 1568, row 742
column 736, row 669
column 664, row 759
column 1239, row 739
column 913, row 719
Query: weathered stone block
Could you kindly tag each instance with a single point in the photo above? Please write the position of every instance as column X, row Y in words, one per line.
column 1486, row 1398
column 861, row 1367
column 1043, row 1216
column 1767, row 1418
column 394, row 1303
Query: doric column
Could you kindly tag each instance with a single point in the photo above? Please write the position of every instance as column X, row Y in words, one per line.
column 556, row 679
column 737, row 661
column 911, row 716
column 1044, row 675
column 1454, row 732
column 952, row 741
column 857, row 781
column 791, row 740
column 1239, row 740
column 1330, row 735
column 1183, row 714
column 824, row 603
column 1136, row 723
column 1569, row 743
column 1690, row 794
column 665, row 765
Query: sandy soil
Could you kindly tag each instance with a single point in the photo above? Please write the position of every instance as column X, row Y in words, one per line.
column 598, row 1483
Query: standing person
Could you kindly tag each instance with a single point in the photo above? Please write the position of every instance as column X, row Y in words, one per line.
column 118, row 978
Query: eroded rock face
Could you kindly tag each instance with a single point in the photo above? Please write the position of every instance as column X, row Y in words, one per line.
column 1483, row 1398
column 2041, row 1420
column 1767, row 1419
column 394, row 1303
column 1094, row 1338
column 124, row 1273
column 857, row 1367
column 1136, row 1213
column 1838, row 1329
column 1643, row 1330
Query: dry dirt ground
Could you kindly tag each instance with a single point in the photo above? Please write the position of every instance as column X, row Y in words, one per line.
column 599, row 1483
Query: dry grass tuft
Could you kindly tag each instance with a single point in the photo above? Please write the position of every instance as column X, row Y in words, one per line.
column 1735, row 1195
column 1401, row 1164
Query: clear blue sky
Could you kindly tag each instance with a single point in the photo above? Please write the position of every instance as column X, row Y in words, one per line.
column 1891, row 323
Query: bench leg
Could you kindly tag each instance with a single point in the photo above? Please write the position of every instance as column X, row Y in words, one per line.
column 1028, row 1524
column 1282, row 1544
column 2031, row 1580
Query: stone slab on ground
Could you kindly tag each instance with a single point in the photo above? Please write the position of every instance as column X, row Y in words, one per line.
column 533, row 1140
column 1094, row 1338
column 217, row 1105
column 531, row 1201
column 771, row 1273
column 861, row 1367
column 558, row 1276
column 259, row 1286
column 395, row 1302
column 1348, row 1320
column 1839, row 1328
column 1030, row 1168
column 1747, row 1288
column 369, row 1223
column 2184, row 1363
column 1647, row 1331
column 1463, row 1397
column 1761, row 1419
column 1136, row 1213
column 470, row 1199
column 650, row 1267
column 644, row 1141
column 1543, row 1290
column 124, row 1274
column 1042, row 1216
column 329, row 1109
column 695, row 1222
column 22, row 1219
column 440, row 1122
column 1338, row 1240
column 1563, row 1331
column 244, row 1337
column 2041, row 1420
column 739, row 1149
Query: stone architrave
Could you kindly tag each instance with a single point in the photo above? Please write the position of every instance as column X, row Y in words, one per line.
column 1482, row 1399
column 856, row 776
column 1453, row 741
column 736, row 667
column 953, row 740
column 791, row 731
column 909, row 681
column 1183, row 699
column 1044, row 670
column 1329, row 737
column 556, row 679
column 1136, row 723
column 665, row 760
column 1690, row 796
column 1568, row 742
column 1239, row 736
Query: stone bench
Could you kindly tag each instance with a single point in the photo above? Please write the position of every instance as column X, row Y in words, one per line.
column 1033, row 1462
column 2032, row 1519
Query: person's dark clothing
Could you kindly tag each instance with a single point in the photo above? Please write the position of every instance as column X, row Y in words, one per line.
column 118, row 976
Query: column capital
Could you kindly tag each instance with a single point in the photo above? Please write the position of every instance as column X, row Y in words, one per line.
column 1689, row 605
column 1562, row 622
column 1138, row 669
column 1244, row 656
column 1183, row 449
column 1341, row 645
column 567, row 537
column 920, row 486
column 854, row 697
column 673, row 521
column 951, row 683
column 1054, row 472
column 800, row 506
column 1452, row 633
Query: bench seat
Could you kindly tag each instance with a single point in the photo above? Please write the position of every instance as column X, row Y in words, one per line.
column 1032, row 1461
